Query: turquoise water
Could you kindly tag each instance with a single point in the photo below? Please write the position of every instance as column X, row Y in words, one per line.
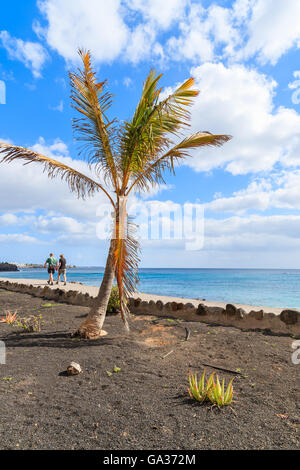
column 270, row 287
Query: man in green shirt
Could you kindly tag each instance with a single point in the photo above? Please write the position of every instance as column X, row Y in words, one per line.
column 52, row 266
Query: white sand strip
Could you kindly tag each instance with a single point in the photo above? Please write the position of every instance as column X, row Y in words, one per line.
column 93, row 290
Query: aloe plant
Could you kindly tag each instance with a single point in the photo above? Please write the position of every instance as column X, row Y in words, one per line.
column 9, row 318
column 199, row 390
column 210, row 390
column 217, row 393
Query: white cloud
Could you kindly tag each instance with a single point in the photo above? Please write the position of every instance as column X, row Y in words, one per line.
column 193, row 43
column 276, row 191
column 66, row 225
column 252, row 233
column 17, row 238
column 32, row 54
column 141, row 43
column 129, row 29
column 8, row 219
column 30, row 189
column 239, row 101
column 254, row 197
column 273, row 28
column 127, row 81
column 93, row 24
column 161, row 13
column 59, row 107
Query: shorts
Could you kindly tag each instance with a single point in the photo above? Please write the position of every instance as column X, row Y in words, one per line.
column 62, row 271
column 51, row 270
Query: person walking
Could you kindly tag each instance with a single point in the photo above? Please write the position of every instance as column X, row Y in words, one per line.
column 52, row 266
column 62, row 269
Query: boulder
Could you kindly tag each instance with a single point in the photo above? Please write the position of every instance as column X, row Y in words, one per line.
column 131, row 302
column 188, row 306
column 202, row 310
column 144, row 305
column 240, row 313
column 231, row 310
column 216, row 310
column 168, row 307
column 290, row 317
column 137, row 302
column 180, row 306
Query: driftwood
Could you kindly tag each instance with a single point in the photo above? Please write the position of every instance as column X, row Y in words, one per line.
column 188, row 333
column 224, row 369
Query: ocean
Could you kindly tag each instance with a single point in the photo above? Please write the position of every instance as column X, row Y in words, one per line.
column 270, row 287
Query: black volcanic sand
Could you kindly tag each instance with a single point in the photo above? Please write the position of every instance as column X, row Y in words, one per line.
column 145, row 405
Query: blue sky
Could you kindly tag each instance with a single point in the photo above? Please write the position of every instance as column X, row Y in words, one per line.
column 244, row 56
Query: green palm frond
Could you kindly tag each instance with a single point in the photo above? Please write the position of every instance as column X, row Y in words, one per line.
column 152, row 172
column 154, row 122
column 79, row 183
column 97, row 133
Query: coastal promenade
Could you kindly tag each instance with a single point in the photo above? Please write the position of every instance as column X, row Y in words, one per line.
column 93, row 290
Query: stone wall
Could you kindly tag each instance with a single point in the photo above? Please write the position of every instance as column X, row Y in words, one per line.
column 288, row 322
column 58, row 295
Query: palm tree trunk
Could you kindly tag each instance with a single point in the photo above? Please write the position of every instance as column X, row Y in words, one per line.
column 92, row 326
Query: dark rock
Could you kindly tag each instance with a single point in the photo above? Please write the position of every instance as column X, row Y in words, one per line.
column 240, row 313
column 159, row 305
column 131, row 301
column 259, row 315
column 290, row 317
column 137, row 302
column 202, row 310
column 270, row 315
column 216, row 310
column 188, row 306
column 231, row 310
column 8, row 267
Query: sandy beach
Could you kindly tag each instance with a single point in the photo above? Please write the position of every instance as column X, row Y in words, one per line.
column 93, row 290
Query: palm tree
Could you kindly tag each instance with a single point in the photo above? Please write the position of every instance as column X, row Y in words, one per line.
column 131, row 156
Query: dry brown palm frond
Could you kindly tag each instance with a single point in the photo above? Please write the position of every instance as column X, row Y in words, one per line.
column 78, row 182
column 93, row 129
column 126, row 265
